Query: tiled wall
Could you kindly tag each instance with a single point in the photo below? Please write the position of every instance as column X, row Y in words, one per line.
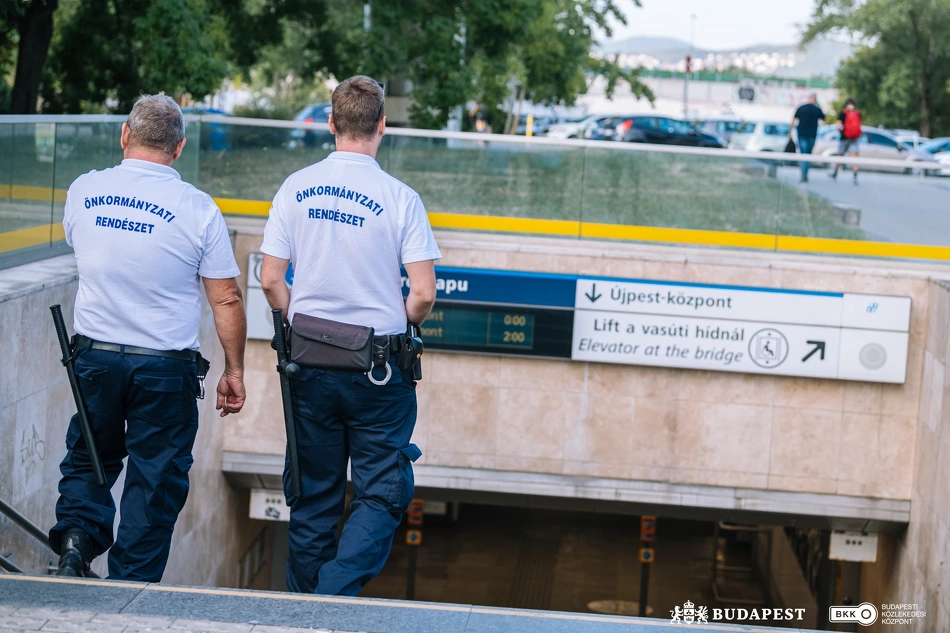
column 36, row 405
column 914, row 567
column 657, row 424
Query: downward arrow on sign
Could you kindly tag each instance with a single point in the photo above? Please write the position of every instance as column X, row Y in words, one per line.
column 592, row 295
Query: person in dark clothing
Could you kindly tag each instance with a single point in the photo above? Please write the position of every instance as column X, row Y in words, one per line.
column 807, row 117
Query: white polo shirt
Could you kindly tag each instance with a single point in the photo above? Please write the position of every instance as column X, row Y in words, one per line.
column 142, row 239
column 347, row 226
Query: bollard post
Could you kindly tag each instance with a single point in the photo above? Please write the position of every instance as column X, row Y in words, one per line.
column 413, row 540
column 647, row 537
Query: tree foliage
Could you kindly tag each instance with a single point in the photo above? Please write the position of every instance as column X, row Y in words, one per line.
column 451, row 52
column 900, row 74
column 455, row 51
column 111, row 51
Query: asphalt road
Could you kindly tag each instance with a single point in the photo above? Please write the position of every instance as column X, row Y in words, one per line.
column 894, row 207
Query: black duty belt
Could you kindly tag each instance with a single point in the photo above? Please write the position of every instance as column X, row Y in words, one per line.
column 189, row 355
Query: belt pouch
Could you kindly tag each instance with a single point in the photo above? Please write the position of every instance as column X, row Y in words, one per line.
column 326, row 344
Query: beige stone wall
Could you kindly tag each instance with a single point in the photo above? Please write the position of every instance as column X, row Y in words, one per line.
column 654, row 424
column 914, row 567
column 35, row 407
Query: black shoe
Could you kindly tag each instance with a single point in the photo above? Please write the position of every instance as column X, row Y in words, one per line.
column 803, row 180
column 74, row 555
column 833, row 175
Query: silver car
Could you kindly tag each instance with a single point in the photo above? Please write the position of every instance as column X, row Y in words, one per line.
column 875, row 143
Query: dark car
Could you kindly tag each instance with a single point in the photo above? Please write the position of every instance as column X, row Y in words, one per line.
column 663, row 131
column 317, row 113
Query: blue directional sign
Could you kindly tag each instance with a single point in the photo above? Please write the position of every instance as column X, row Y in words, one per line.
column 505, row 287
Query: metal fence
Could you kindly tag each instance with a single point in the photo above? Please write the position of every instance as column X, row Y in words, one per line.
column 569, row 188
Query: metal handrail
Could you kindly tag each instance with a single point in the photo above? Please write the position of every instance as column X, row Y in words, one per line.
column 30, row 528
column 6, row 565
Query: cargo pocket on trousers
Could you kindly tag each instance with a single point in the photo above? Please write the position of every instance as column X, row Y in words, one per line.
column 165, row 397
column 175, row 485
column 402, row 486
column 90, row 377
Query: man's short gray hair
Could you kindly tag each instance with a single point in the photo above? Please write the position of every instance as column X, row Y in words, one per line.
column 156, row 122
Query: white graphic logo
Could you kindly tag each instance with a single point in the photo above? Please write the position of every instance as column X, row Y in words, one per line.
column 768, row 348
column 864, row 614
column 690, row 613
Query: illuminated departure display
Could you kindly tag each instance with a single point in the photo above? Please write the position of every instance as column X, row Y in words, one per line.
column 457, row 326
column 519, row 330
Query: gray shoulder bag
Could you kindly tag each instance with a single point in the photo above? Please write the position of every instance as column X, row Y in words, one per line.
column 326, row 344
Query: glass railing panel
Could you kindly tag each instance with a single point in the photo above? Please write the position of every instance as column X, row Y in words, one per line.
column 248, row 162
column 886, row 205
column 490, row 176
column 27, row 208
column 679, row 190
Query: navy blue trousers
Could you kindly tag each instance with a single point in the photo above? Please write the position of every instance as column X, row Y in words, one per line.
column 342, row 416
column 142, row 407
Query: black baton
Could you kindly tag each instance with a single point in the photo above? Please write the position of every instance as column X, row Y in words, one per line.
column 83, row 415
column 287, row 370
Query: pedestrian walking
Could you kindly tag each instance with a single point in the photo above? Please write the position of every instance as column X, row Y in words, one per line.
column 807, row 117
column 144, row 242
column 348, row 228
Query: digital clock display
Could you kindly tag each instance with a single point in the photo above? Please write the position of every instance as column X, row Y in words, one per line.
column 518, row 330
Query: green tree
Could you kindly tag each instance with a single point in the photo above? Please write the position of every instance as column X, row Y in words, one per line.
column 455, row 51
column 111, row 51
column 27, row 26
column 900, row 75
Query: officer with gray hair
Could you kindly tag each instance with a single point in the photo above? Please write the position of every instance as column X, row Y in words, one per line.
column 144, row 241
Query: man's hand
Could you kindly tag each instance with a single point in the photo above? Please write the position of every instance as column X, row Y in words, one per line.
column 231, row 394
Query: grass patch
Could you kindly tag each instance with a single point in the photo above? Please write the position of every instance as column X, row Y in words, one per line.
column 630, row 188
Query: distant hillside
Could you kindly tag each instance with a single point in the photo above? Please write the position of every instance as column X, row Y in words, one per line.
column 820, row 58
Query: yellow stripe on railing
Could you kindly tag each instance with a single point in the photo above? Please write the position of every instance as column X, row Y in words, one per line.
column 505, row 225
column 41, row 194
column 33, row 236
column 24, row 238
column 233, row 206
column 826, row 246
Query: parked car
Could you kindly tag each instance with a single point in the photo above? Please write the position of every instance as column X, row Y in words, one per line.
column 539, row 125
column 316, row 113
column 943, row 159
column 761, row 136
column 653, row 129
column 574, row 128
column 876, row 143
column 723, row 128
column 603, row 129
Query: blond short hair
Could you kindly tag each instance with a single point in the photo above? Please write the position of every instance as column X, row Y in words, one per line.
column 358, row 107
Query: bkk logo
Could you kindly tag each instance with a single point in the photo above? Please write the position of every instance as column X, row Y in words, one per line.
column 690, row 613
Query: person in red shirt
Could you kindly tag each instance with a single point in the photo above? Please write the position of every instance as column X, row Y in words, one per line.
column 849, row 125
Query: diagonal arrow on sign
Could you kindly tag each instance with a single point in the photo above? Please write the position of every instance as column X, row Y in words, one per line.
column 819, row 347
column 592, row 295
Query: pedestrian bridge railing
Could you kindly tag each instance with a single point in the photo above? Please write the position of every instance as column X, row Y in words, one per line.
column 481, row 182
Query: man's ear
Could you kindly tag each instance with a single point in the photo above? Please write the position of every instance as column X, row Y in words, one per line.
column 124, row 139
column 179, row 149
column 381, row 129
column 332, row 125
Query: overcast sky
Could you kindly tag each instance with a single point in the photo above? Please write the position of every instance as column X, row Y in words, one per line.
column 720, row 24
